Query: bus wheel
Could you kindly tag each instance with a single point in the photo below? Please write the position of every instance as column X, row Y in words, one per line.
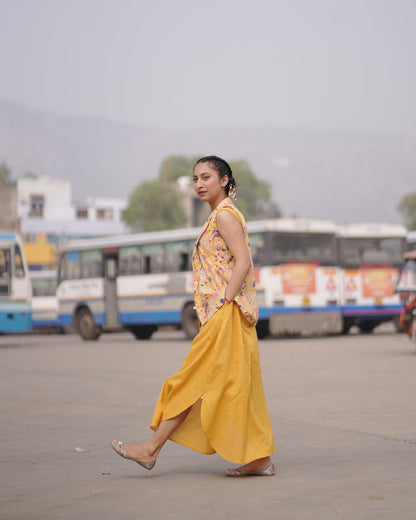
column 143, row 331
column 262, row 329
column 347, row 324
column 86, row 327
column 189, row 321
column 367, row 327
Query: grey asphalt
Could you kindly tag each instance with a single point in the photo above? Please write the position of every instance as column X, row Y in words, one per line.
column 343, row 412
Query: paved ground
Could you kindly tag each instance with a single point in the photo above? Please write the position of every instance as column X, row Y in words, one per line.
column 343, row 411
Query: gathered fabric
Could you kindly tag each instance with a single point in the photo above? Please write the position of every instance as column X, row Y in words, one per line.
column 220, row 380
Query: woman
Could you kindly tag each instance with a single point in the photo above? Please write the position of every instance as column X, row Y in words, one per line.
column 216, row 402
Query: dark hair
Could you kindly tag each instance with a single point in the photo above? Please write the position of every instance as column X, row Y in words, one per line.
column 222, row 167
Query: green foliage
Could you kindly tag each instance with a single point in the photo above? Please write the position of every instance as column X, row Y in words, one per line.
column 253, row 195
column 407, row 208
column 156, row 205
column 176, row 166
column 5, row 174
column 153, row 206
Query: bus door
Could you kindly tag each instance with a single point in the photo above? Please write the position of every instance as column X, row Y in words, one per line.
column 110, row 289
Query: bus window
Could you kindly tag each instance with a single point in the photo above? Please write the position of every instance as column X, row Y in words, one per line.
column 4, row 271
column 286, row 248
column 43, row 287
column 320, row 248
column 302, row 247
column 18, row 263
column 393, row 248
column 153, row 258
column 369, row 250
column 258, row 249
column 72, row 265
column 130, row 260
column 177, row 256
column 92, row 264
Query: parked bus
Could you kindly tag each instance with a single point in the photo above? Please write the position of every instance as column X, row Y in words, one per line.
column 136, row 282
column 141, row 281
column 298, row 276
column 15, row 286
column 44, row 302
column 370, row 256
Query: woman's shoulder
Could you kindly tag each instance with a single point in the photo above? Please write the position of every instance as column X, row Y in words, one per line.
column 230, row 208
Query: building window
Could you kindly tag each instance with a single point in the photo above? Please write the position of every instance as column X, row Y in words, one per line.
column 82, row 213
column 37, row 203
column 104, row 214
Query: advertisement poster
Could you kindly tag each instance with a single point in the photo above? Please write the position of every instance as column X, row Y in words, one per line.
column 298, row 278
column 377, row 282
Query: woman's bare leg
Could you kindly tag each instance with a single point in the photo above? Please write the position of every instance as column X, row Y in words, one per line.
column 149, row 450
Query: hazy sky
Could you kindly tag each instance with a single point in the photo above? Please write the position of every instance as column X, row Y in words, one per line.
column 345, row 64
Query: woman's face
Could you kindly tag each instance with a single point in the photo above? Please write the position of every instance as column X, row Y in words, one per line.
column 208, row 184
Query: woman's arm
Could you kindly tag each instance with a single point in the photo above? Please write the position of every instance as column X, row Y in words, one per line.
column 231, row 231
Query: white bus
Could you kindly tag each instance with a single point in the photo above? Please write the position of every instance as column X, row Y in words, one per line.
column 141, row 281
column 370, row 256
column 137, row 282
column 298, row 276
column 15, row 286
column 44, row 302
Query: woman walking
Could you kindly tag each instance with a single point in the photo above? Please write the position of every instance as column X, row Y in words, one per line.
column 216, row 402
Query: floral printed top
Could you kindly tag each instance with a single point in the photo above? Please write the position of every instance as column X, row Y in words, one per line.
column 213, row 264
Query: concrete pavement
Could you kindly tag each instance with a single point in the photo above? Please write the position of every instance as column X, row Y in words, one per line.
column 342, row 410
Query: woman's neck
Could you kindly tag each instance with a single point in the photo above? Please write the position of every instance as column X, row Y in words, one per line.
column 217, row 202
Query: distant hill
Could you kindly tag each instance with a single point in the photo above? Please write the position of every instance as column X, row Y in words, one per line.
column 344, row 176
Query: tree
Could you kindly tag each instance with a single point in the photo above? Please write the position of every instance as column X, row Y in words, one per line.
column 407, row 208
column 253, row 195
column 5, row 174
column 153, row 206
column 176, row 166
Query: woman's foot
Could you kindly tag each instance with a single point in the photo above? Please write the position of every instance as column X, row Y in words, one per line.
column 140, row 453
column 258, row 467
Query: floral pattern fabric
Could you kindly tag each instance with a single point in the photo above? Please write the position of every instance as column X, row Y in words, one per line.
column 213, row 264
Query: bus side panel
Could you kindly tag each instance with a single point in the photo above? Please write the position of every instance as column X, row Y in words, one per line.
column 44, row 312
column 369, row 293
column 302, row 299
column 154, row 298
column 72, row 294
column 15, row 317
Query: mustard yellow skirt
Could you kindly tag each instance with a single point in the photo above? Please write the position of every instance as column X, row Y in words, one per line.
column 221, row 379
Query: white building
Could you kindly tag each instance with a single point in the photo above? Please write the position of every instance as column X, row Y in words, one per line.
column 44, row 205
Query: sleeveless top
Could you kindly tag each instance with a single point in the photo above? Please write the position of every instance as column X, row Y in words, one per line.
column 213, row 264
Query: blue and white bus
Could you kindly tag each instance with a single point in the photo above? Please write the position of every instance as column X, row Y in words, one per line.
column 369, row 255
column 44, row 302
column 297, row 276
column 142, row 281
column 15, row 286
column 136, row 282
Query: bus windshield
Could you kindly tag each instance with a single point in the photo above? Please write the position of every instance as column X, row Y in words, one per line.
column 301, row 247
column 370, row 250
